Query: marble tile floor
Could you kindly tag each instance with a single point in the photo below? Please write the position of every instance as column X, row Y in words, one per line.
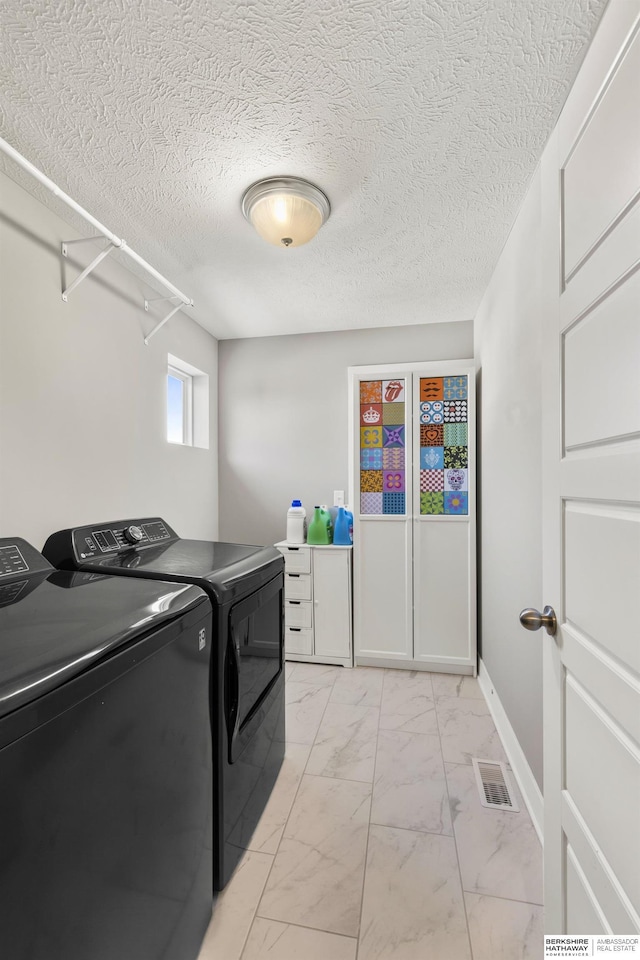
column 374, row 844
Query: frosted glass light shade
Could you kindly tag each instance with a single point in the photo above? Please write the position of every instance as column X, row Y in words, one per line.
column 285, row 211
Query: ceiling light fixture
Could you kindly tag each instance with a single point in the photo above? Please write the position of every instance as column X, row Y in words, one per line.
column 286, row 211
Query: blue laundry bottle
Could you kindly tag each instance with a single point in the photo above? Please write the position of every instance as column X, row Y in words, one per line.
column 342, row 531
column 350, row 518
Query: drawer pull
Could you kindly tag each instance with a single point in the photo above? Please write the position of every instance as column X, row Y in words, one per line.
column 294, row 603
column 295, row 629
column 293, row 549
column 296, row 575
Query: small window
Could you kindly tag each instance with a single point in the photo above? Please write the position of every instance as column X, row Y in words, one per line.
column 187, row 404
column 179, row 406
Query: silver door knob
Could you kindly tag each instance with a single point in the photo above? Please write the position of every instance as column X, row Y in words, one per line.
column 532, row 619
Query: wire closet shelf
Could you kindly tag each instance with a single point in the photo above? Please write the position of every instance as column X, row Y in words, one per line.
column 115, row 243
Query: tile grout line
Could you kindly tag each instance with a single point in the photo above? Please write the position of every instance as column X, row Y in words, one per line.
column 250, row 927
column 302, row 926
column 492, row 896
column 322, row 776
column 453, row 829
column 366, row 849
column 426, row 833
column 255, row 912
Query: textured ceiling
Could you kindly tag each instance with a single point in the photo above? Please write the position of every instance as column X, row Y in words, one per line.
column 422, row 120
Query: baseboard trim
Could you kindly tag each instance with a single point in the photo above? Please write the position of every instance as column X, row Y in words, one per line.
column 529, row 788
column 429, row 666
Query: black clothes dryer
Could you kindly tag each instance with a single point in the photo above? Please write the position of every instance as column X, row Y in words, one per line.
column 245, row 586
column 105, row 764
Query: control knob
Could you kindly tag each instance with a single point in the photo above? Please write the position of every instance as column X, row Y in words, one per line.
column 133, row 534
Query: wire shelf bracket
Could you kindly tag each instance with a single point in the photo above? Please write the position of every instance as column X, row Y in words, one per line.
column 94, row 263
column 168, row 316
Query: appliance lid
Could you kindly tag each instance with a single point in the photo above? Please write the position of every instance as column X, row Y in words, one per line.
column 54, row 624
column 224, row 570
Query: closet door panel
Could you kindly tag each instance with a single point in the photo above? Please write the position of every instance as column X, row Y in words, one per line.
column 382, row 531
column 443, row 465
column 442, row 591
column 382, row 590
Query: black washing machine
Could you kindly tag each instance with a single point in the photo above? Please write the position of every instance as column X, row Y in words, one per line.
column 105, row 764
column 245, row 586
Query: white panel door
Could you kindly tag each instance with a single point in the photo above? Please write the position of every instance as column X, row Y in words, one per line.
column 381, row 485
column 332, row 602
column 444, row 551
column 443, row 611
column 591, row 186
column 382, row 612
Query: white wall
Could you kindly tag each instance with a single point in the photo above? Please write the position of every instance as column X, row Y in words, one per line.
column 283, row 416
column 82, row 399
column 508, row 352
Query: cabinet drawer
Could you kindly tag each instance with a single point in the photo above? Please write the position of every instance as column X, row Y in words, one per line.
column 297, row 559
column 297, row 586
column 298, row 613
column 298, row 641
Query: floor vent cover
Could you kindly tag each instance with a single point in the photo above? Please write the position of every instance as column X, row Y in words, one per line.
column 494, row 785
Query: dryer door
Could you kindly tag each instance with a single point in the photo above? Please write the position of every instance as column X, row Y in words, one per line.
column 254, row 660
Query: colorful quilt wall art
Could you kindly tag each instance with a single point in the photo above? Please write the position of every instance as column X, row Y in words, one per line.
column 382, row 447
column 443, row 447
column 444, row 451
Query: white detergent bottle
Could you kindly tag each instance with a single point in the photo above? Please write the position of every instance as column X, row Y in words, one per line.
column 296, row 523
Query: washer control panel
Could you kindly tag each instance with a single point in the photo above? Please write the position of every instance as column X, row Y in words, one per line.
column 18, row 560
column 108, row 538
column 12, row 561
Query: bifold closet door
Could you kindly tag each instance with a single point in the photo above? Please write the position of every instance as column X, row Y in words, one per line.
column 413, row 470
column 443, row 445
column 383, row 618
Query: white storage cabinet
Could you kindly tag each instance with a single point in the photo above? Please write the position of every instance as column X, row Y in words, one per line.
column 412, row 483
column 318, row 603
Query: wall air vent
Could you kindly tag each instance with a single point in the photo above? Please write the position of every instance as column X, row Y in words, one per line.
column 494, row 785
